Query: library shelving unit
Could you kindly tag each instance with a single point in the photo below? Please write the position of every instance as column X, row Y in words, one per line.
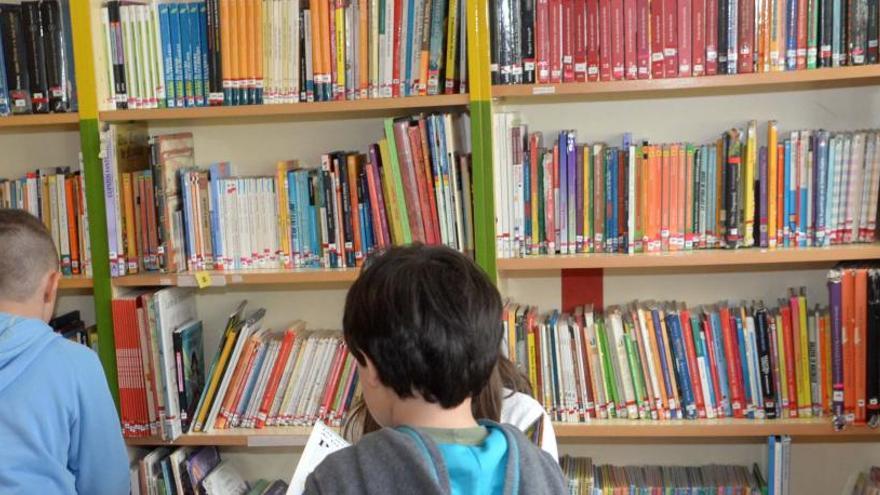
column 37, row 122
column 510, row 273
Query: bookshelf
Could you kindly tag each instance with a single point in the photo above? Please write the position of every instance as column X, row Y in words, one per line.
column 841, row 77
column 698, row 260
column 37, row 122
column 75, row 282
column 242, row 278
column 381, row 107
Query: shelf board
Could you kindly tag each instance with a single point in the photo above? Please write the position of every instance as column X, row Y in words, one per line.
column 368, row 107
column 625, row 431
column 695, row 86
column 37, row 121
column 75, row 282
column 696, row 260
column 635, row 431
column 249, row 277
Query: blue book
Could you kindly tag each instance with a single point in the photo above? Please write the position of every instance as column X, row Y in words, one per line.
column 682, row 372
column 711, row 193
column 167, row 54
column 308, row 228
column 216, row 173
column 554, row 359
column 821, row 182
column 315, row 216
column 829, row 188
column 571, row 162
column 786, row 189
column 744, row 365
column 188, row 52
column 613, row 181
column 664, row 366
column 189, row 354
column 195, row 37
column 791, row 32
column 562, row 203
column 771, row 466
column 251, row 383
column 756, row 372
column 803, row 216
column 4, row 90
column 73, row 99
column 721, row 363
column 203, row 46
column 189, row 225
column 294, row 210
column 703, row 353
column 177, row 56
column 406, row 79
column 443, row 157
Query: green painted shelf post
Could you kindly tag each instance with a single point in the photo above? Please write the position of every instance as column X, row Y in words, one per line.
column 480, row 89
column 84, row 58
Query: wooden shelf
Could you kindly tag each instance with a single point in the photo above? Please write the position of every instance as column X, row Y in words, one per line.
column 250, row 277
column 634, row 431
column 695, row 86
column 621, row 431
column 75, row 282
column 696, row 260
column 37, row 121
column 356, row 108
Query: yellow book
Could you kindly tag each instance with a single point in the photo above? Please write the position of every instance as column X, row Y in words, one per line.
column 804, row 400
column 512, row 310
column 340, row 49
column 128, row 221
column 772, row 136
column 780, row 349
column 282, row 197
column 533, row 361
column 751, row 157
column 216, row 374
column 391, row 206
column 451, row 52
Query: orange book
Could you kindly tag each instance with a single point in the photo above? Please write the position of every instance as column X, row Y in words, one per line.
column 258, row 50
column 363, row 49
column 663, row 410
column 675, row 186
column 688, row 228
column 333, row 382
column 315, row 21
column 237, row 382
column 131, row 254
column 655, row 197
column 275, row 377
column 72, row 230
column 353, row 165
column 226, row 47
column 419, row 159
column 235, row 45
column 860, row 327
column 665, row 196
column 433, row 181
column 425, row 48
column 848, row 336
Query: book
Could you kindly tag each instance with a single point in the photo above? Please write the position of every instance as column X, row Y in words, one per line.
column 322, row 442
column 189, row 359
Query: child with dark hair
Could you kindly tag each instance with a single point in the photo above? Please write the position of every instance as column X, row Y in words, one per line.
column 59, row 432
column 424, row 325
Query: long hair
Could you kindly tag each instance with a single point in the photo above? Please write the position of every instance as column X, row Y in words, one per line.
column 485, row 405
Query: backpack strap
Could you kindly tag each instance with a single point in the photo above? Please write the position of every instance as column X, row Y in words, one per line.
column 423, row 448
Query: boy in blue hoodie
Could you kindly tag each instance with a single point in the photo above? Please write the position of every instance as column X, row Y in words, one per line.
column 424, row 325
column 59, row 432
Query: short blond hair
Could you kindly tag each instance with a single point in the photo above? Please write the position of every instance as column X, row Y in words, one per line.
column 27, row 253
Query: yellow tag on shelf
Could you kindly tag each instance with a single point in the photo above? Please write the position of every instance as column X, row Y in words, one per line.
column 203, row 279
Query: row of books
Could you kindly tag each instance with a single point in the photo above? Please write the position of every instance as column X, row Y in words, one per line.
column 558, row 41
column 36, row 58
column 658, row 361
column 868, row 483
column 586, row 478
column 257, row 377
column 191, row 470
column 164, row 213
column 57, row 197
column 70, row 326
column 779, row 465
column 244, row 52
column 793, row 189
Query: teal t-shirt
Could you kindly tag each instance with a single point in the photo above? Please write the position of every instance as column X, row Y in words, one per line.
column 476, row 458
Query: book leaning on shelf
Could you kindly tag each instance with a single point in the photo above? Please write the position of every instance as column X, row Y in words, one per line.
column 257, row 377
column 803, row 188
column 169, row 54
column 36, row 58
column 166, row 214
column 660, row 361
column 71, row 327
column 57, row 197
column 560, row 41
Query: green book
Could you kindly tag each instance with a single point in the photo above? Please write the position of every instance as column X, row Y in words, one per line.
column 607, row 374
column 635, row 367
column 398, row 181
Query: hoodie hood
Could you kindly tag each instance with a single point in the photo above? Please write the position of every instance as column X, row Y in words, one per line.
column 21, row 341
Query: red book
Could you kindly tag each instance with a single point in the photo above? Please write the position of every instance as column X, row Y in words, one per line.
column 849, row 351
column 802, row 34
column 712, row 37
column 605, row 40
column 670, row 38
column 734, row 370
column 685, row 41
column 860, row 343
column 429, row 175
column 275, row 378
column 698, row 61
column 630, row 32
column 555, row 41
column 395, row 57
column 415, row 143
column 542, row 41
column 643, row 43
column 713, row 365
column 593, row 40
column 568, row 40
column 345, row 381
column 580, row 40
column 657, row 63
column 332, row 381
column 617, row 39
column 790, row 373
column 693, row 366
column 123, row 367
column 745, row 61
column 375, row 212
column 550, row 183
column 410, row 183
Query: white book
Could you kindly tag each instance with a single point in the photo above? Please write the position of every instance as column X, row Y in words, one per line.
column 651, row 379
column 631, row 194
column 224, row 480
column 256, row 399
column 322, row 442
column 109, row 102
column 319, row 382
column 586, row 403
column 623, row 371
column 457, row 221
column 308, row 380
column 294, row 33
column 175, row 307
column 500, row 199
column 374, row 48
column 61, row 220
column 157, row 54
column 294, row 390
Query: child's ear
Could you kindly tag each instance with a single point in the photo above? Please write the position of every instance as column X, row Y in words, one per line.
column 369, row 374
column 49, row 293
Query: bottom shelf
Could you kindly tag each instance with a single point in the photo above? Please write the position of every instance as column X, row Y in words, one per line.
column 596, row 431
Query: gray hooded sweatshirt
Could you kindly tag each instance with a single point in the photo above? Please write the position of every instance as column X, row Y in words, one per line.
column 408, row 462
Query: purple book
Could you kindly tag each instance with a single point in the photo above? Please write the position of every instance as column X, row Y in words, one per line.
column 380, row 195
column 834, row 301
column 762, row 194
column 562, row 204
column 573, row 192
